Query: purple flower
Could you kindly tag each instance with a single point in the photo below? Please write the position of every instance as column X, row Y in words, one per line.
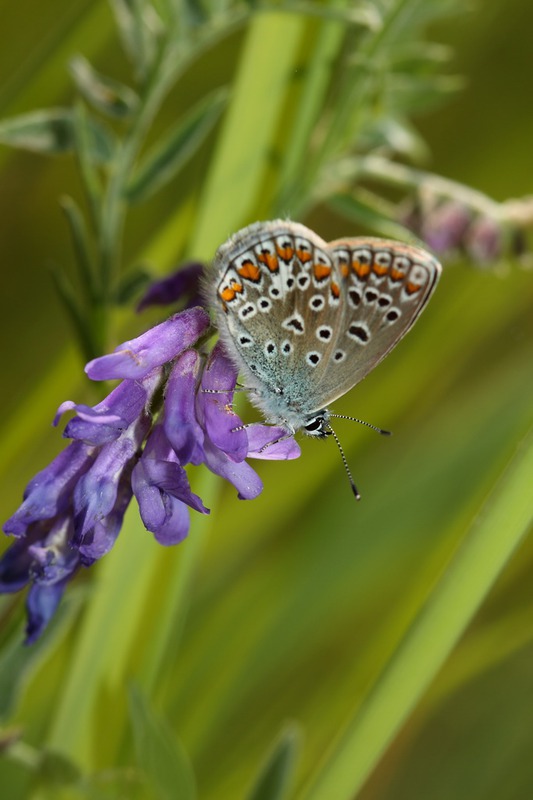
column 484, row 240
column 184, row 282
column 444, row 227
column 136, row 358
column 173, row 407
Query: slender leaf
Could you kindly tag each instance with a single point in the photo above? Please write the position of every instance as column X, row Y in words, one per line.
column 276, row 775
column 131, row 284
column 399, row 136
column 171, row 153
column 138, row 27
column 80, row 242
column 69, row 298
column 363, row 13
column 159, row 753
column 91, row 180
column 50, row 131
column 104, row 94
column 359, row 210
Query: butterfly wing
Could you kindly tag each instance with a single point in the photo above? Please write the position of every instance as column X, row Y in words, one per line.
column 384, row 287
column 305, row 321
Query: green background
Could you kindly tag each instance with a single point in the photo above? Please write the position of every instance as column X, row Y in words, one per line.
column 297, row 601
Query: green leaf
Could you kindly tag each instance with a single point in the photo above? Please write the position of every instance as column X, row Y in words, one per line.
column 359, row 208
column 131, row 284
column 168, row 156
column 90, row 176
column 397, row 134
column 50, row 131
column 139, row 27
column 78, row 232
column 104, row 94
column 276, row 775
column 159, row 753
column 80, row 325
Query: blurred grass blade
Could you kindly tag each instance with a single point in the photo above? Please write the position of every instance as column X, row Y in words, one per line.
column 51, row 770
column 159, row 754
column 104, row 94
column 494, row 535
column 276, row 775
column 163, row 162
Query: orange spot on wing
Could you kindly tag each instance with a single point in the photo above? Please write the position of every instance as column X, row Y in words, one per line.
column 270, row 260
column 303, row 255
column 345, row 269
column 380, row 269
column 321, row 271
column 361, row 269
column 396, row 274
column 412, row 288
column 250, row 271
column 285, row 253
column 335, row 290
column 227, row 294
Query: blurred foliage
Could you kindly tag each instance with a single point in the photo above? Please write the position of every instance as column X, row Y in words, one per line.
column 363, row 623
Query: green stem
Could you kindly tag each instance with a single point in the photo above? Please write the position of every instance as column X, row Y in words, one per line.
column 175, row 55
column 400, row 176
column 352, row 101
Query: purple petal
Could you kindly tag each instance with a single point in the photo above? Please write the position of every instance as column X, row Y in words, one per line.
column 444, row 227
column 165, row 516
column 172, row 479
column 96, row 491
column 241, row 475
column 158, row 481
column 484, row 240
column 101, row 538
column 259, row 436
column 50, row 492
column 215, row 410
column 180, row 423
column 176, row 526
column 137, row 357
column 15, row 566
column 183, row 282
column 151, row 501
column 107, row 420
column 41, row 603
column 53, row 558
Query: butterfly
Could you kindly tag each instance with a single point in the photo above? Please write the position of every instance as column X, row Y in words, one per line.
column 305, row 320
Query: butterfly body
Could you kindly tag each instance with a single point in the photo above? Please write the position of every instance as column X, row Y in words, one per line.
column 305, row 320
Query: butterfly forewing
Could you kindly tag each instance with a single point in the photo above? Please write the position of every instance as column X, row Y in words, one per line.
column 385, row 286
